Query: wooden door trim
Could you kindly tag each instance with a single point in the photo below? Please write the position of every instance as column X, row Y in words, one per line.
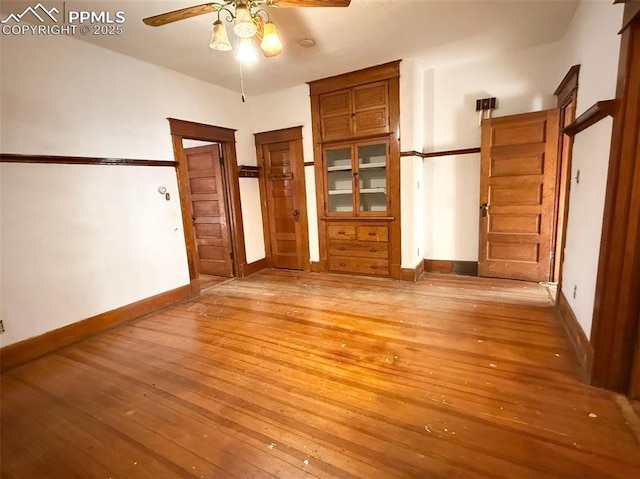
column 293, row 136
column 186, row 130
column 616, row 315
column 201, row 131
column 278, row 136
column 567, row 89
column 567, row 93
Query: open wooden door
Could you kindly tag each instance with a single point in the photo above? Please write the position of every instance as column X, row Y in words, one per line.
column 517, row 195
column 209, row 210
column 284, row 199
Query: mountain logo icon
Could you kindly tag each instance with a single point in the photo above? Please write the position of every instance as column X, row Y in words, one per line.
column 39, row 11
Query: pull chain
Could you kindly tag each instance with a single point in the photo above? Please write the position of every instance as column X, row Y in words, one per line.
column 242, row 83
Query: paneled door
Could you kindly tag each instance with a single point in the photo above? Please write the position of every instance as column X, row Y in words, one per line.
column 209, row 210
column 517, row 195
column 285, row 216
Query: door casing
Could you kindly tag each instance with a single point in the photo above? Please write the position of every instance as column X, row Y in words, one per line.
column 181, row 130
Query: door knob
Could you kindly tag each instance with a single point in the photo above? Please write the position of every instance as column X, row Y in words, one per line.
column 484, row 209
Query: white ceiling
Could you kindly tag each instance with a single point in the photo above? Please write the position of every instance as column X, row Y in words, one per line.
column 368, row 32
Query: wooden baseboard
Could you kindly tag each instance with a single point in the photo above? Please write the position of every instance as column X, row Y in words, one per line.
column 254, row 267
column 317, row 267
column 467, row 268
column 581, row 345
column 22, row 352
column 409, row 274
column 395, row 271
column 438, row 266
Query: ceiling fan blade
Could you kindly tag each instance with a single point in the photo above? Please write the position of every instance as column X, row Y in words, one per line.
column 311, row 3
column 177, row 15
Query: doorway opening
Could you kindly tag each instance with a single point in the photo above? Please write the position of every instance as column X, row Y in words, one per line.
column 209, row 200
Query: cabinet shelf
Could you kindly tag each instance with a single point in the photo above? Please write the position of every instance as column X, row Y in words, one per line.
column 364, row 166
column 340, row 192
column 339, row 168
column 373, row 190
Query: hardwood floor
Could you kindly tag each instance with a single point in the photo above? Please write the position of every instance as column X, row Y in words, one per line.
column 305, row 375
column 207, row 281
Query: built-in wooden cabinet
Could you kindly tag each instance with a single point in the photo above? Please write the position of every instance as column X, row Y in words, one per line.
column 357, row 169
column 355, row 112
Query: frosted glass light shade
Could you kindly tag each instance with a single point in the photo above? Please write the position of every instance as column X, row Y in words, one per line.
column 219, row 38
column 244, row 26
column 246, row 52
column 271, row 44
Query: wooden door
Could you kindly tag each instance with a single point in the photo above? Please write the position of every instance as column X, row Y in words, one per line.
column 209, row 210
column 284, row 193
column 517, row 195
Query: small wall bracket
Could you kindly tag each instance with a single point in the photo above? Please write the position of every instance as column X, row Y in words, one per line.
column 485, row 107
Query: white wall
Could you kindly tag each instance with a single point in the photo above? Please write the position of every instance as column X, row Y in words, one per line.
column 591, row 41
column 412, row 94
column 61, row 96
column 522, row 82
column 77, row 241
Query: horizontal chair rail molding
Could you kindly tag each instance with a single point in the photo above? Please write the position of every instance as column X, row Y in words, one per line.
column 433, row 154
column 81, row 160
column 593, row 115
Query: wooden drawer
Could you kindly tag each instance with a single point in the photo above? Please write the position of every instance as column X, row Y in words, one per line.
column 372, row 233
column 341, row 232
column 345, row 264
column 360, row 249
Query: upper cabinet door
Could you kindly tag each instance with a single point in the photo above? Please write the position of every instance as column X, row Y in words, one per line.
column 336, row 110
column 355, row 112
column 371, row 109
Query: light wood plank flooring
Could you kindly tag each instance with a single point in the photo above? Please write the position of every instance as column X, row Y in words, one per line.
column 296, row 375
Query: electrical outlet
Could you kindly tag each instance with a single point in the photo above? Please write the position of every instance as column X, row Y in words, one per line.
column 1, row 326
column 418, row 253
column 575, row 290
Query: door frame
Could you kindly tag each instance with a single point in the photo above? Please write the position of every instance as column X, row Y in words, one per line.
column 225, row 137
column 280, row 136
column 567, row 94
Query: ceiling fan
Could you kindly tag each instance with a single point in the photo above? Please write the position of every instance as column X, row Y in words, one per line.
column 250, row 21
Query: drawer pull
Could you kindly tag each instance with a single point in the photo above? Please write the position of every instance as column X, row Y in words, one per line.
column 343, row 264
column 342, row 248
column 372, row 233
column 342, row 232
column 372, row 250
column 373, row 266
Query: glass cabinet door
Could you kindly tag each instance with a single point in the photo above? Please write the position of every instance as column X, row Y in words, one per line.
column 372, row 177
column 339, row 179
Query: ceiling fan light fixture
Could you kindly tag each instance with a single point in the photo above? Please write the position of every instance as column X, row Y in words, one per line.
column 271, row 44
column 246, row 52
column 244, row 26
column 219, row 38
